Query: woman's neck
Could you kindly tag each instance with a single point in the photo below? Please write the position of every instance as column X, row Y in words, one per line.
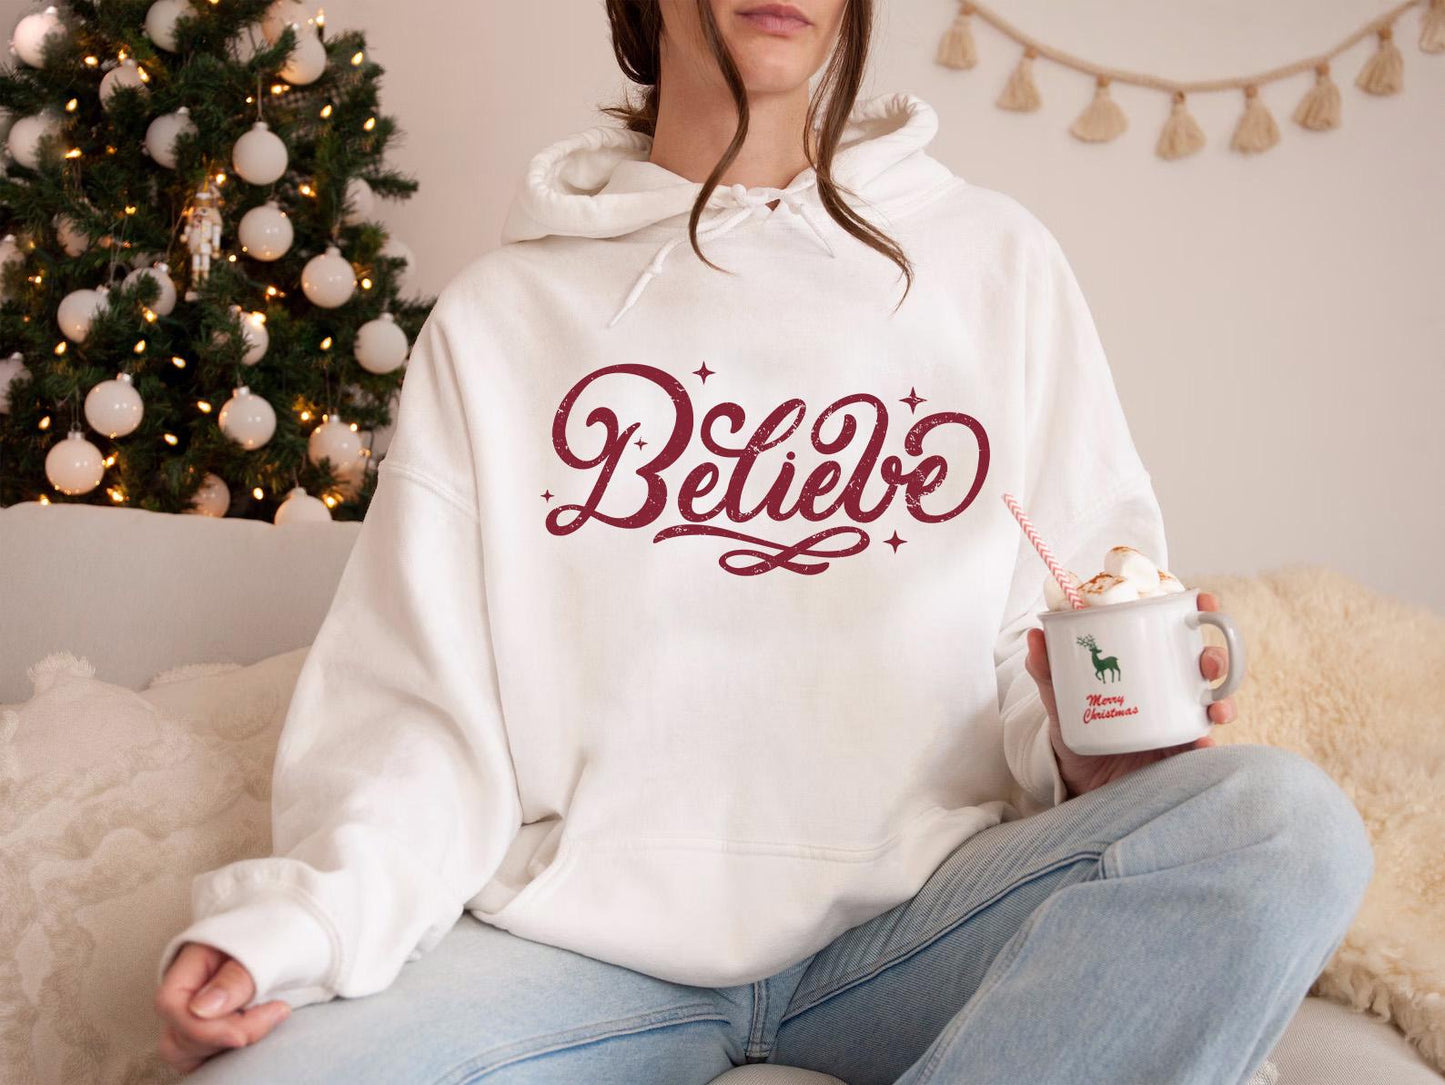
column 695, row 125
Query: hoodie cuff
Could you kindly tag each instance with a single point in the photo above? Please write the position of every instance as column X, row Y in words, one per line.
column 287, row 948
column 1045, row 783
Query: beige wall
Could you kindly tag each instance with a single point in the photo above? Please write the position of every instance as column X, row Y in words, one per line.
column 1276, row 325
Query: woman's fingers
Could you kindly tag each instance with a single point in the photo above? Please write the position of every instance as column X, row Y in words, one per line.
column 1037, row 662
column 1213, row 662
column 1222, row 711
column 229, row 989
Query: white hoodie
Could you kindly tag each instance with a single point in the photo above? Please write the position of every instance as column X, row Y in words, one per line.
column 686, row 626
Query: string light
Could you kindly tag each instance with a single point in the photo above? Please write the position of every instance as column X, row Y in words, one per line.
column 45, row 422
column 330, row 500
column 306, row 416
column 370, row 123
column 171, row 439
column 91, row 62
column 220, row 178
column 72, row 105
column 116, row 495
column 44, row 500
column 130, row 209
column 366, row 283
column 357, row 58
column 326, row 111
column 258, row 493
column 140, row 347
column 178, row 361
column 60, row 347
column 206, row 407
column 110, row 460
column 74, row 152
column 326, row 343
column 150, row 315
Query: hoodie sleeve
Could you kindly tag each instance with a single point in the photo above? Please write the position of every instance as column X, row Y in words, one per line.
column 393, row 791
column 1084, row 487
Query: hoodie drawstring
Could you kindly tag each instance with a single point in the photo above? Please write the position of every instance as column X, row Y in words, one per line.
column 752, row 203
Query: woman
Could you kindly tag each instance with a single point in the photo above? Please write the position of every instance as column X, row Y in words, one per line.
column 682, row 696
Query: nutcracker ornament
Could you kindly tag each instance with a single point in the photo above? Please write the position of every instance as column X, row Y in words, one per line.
column 202, row 235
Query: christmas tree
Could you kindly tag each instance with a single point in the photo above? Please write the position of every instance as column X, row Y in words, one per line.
column 198, row 311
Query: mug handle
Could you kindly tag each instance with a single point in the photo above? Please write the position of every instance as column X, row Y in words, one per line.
column 1225, row 624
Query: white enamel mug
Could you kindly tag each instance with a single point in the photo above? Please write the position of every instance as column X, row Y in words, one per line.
column 1126, row 675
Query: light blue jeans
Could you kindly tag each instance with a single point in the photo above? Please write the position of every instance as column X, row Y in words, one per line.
column 1161, row 929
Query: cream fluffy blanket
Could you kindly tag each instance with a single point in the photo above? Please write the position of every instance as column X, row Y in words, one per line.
column 1356, row 682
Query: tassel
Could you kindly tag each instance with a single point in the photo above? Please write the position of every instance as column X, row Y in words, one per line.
column 1320, row 108
column 1181, row 135
column 1102, row 120
column 957, row 50
column 1256, row 130
column 1432, row 28
column 1383, row 73
column 1020, row 93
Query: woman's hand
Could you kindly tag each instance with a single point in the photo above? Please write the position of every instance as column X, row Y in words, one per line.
column 197, row 1001
column 1085, row 772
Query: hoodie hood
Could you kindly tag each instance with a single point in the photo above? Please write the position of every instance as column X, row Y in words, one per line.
column 599, row 183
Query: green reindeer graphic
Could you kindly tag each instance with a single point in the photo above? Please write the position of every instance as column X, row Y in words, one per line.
column 1102, row 664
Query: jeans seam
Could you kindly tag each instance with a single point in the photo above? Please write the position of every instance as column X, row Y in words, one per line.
column 468, row 1071
column 874, row 969
column 760, row 1007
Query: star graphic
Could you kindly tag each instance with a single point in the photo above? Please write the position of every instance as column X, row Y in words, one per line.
column 913, row 399
column 547, row 495
column 895, row 541
column 639, row 443
column 704, row 372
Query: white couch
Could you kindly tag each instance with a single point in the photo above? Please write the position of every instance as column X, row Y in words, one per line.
column 136, row 593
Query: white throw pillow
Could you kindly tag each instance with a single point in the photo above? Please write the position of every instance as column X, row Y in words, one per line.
column 111, row 801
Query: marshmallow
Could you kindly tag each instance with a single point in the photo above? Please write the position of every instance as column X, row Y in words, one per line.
column 1106, row 588
column 1168, row 583
column 1054, row 595
column 1135, row 567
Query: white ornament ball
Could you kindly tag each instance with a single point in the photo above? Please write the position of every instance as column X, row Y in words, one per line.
column 32, row 33
column 336, row 441
column 72, row 238
column 213, row 498
column 78, row 309
column 279, row 15
column 260, row 155
column 163, row 132
column 307, row 61
column 266, row 232
column 247, row 419
column 161, row 22
column 328, row 280
column 9, row 254
column 12, row 369
column 74, row 465
column 114, row 407
column 26, row 134
column 255, row 336
column 301, row 508
column 165, row 302
column 126, row 74
column 397, row 248
column 381, row 345
column 361, row 200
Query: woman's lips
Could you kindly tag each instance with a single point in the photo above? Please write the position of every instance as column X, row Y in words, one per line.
column 773, row 23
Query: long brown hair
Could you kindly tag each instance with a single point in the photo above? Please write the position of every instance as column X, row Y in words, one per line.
column 636, row 40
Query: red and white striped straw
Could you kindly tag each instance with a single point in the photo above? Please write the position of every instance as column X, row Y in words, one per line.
column 1044, row 552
